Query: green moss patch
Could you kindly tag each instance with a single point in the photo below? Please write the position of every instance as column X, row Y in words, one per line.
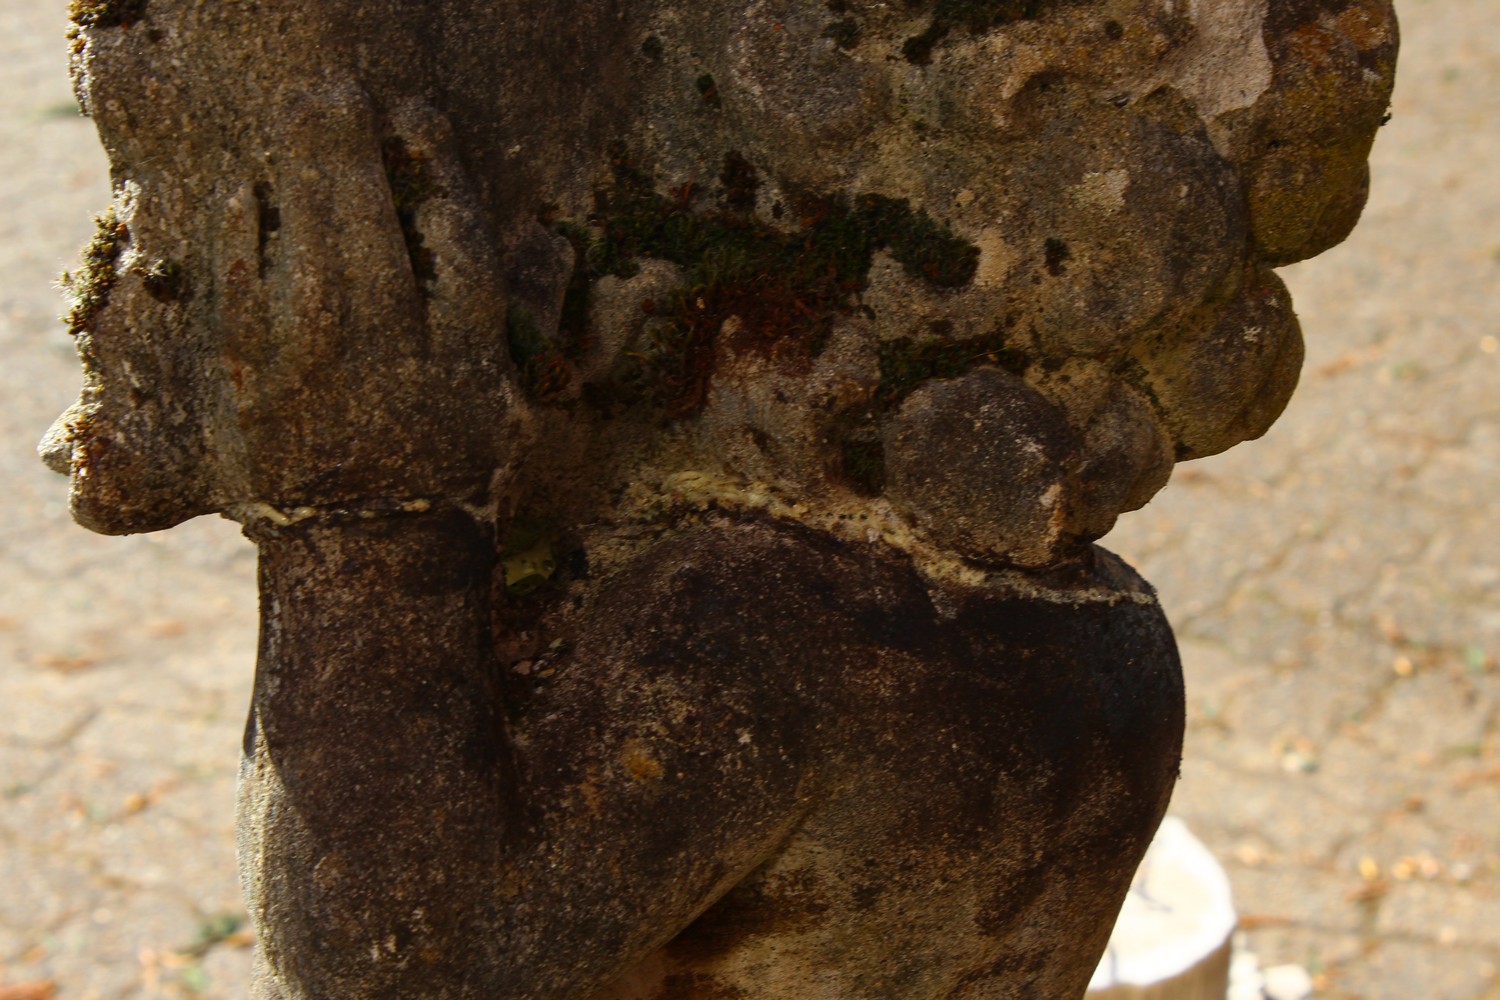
column 543, row 368
column 786, row 286
column 526, row 556
column 90, row 285
column 106, row 13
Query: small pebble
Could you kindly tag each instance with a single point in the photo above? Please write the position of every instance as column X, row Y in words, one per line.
column 1245, row 979
column 1286, row 982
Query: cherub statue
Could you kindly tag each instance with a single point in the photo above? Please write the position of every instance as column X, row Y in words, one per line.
column 675, row 435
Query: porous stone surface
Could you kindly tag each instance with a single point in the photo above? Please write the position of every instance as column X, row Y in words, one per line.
column 622, row 644
column 837, row 762
column 385, row 273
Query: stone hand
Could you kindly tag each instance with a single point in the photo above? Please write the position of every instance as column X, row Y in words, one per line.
column 293, row 302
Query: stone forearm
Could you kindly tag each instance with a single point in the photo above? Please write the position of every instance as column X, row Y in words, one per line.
column 371, row 812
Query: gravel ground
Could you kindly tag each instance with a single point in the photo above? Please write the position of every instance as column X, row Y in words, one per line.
column 1336, row 589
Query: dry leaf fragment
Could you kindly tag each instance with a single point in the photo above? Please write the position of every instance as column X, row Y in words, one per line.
column 42, row 989
column 1339, row 365
column 65, row 664
column 1478, row 777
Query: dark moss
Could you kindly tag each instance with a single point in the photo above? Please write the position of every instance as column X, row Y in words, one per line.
column 708, row 90
column 106, row 13
column 864, row 466
column 975, row 15
column 406, row 170
column 268, row 223
column 926, row 249
column 786, row 287
column 91, row 284
column 1056, row 255
column 1131, row 371
column 907, row 363
column 165, row 281
column 739, row 182
column 845, row 33
column 574, row 322
column 411, row 184
column 523, row 335
column 698, row 986
column 981, row 15
column 917, row 50
column 543, row 369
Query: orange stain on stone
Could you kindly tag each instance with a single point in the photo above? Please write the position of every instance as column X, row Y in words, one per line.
column 638, row 761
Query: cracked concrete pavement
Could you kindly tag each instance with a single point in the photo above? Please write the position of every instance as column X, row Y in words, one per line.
column 1335, row 587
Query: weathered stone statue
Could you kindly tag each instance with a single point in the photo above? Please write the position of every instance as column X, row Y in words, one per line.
column 674, row 434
